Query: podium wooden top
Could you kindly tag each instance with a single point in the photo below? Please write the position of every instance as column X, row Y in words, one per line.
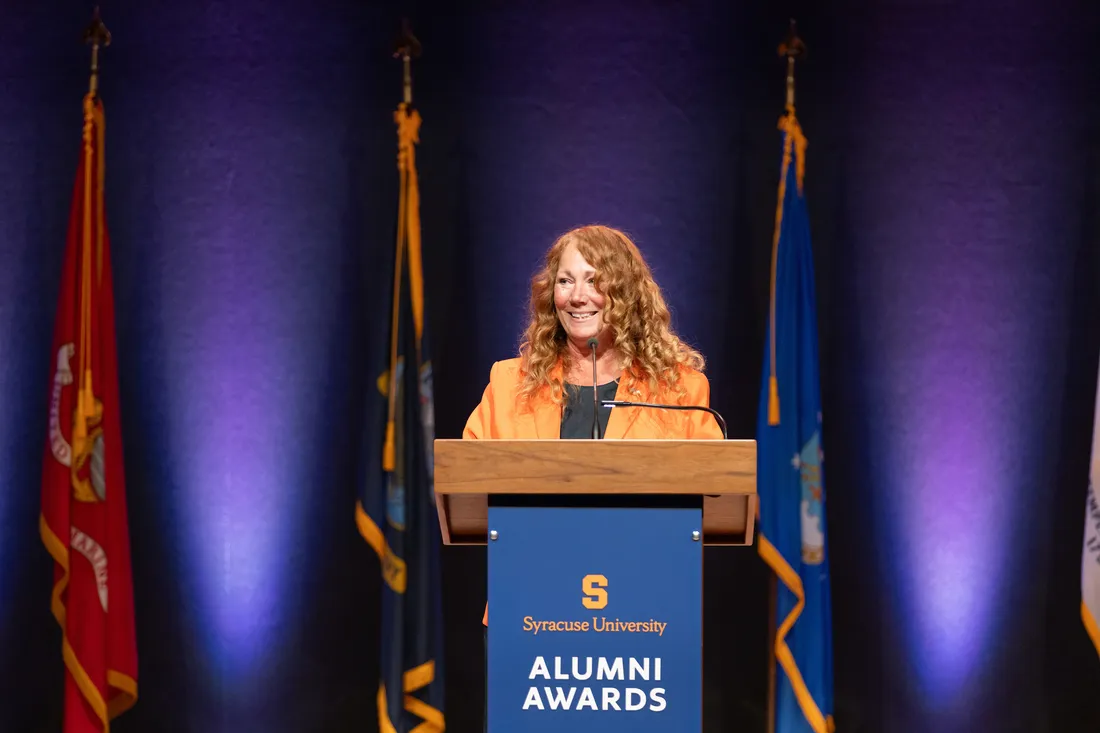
column 723, row 472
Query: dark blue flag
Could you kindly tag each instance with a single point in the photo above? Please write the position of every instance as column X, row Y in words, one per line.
column 791, row 483
column 396, row 513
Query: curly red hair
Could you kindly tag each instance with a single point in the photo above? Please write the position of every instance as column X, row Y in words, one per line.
column 635, row 310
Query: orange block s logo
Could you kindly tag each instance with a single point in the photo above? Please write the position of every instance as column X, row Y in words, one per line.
column 595, row 597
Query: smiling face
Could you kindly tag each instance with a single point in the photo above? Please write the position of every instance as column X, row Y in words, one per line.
column 578, row 303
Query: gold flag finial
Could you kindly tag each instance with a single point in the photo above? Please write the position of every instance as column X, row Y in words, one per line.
column 792, row 48
column 97, row 36
column 406, row 48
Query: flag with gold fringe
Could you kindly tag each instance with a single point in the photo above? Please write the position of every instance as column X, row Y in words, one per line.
column 1090, row 555
column 396, row 513
column 83, row 522
column 791, row 482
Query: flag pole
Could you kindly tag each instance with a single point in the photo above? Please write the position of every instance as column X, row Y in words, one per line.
column 772, row 590
column 792, row 48
column 96, row 35
column 407, row 48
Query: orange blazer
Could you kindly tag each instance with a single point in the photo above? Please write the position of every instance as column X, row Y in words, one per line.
column 498, row 418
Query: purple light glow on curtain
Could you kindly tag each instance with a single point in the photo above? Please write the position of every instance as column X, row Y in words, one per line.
column 957, row 197
column 251, row 299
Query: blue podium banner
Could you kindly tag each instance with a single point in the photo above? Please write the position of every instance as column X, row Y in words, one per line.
column 595, row 620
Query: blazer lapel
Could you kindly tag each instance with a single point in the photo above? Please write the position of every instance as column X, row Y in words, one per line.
column 547, row 420
column 622, row 418
column 547, row 414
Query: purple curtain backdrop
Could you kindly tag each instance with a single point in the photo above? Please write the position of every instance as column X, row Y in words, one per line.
column 251, row 192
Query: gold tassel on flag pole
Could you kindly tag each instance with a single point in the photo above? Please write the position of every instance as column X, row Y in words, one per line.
column 408, row 229
column 408, row 121
column 792, row 48
column 96, row 34
column 87, row 411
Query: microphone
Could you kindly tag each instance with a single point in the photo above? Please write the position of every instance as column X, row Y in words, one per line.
column 592, row 344
column 628, row 403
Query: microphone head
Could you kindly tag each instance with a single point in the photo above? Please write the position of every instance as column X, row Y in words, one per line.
column 593, row 342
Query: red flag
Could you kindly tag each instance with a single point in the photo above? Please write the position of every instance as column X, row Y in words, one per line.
column 83, row 522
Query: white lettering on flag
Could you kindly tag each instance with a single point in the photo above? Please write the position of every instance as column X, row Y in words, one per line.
column 91, row 550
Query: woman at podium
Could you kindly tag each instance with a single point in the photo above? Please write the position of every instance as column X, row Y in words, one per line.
column 598, row 323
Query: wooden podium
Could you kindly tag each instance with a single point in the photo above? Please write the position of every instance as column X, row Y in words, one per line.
column 721, row 472
column 588, row 537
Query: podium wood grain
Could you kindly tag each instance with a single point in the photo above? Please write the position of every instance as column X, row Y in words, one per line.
column 723, row 472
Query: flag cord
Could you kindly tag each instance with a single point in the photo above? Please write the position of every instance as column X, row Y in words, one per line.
column 84, row 405
column 389, row 458
column 773, row 385
column 794, row 142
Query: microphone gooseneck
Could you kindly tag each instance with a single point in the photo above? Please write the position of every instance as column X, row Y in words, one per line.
column 592, row 344
column 628, row 403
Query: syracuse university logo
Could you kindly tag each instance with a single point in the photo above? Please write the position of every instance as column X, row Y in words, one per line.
column 595, row 593
column 588, row 681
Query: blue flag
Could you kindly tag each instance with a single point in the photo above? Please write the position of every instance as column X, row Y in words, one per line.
column 791, row 484
column 396, row 512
